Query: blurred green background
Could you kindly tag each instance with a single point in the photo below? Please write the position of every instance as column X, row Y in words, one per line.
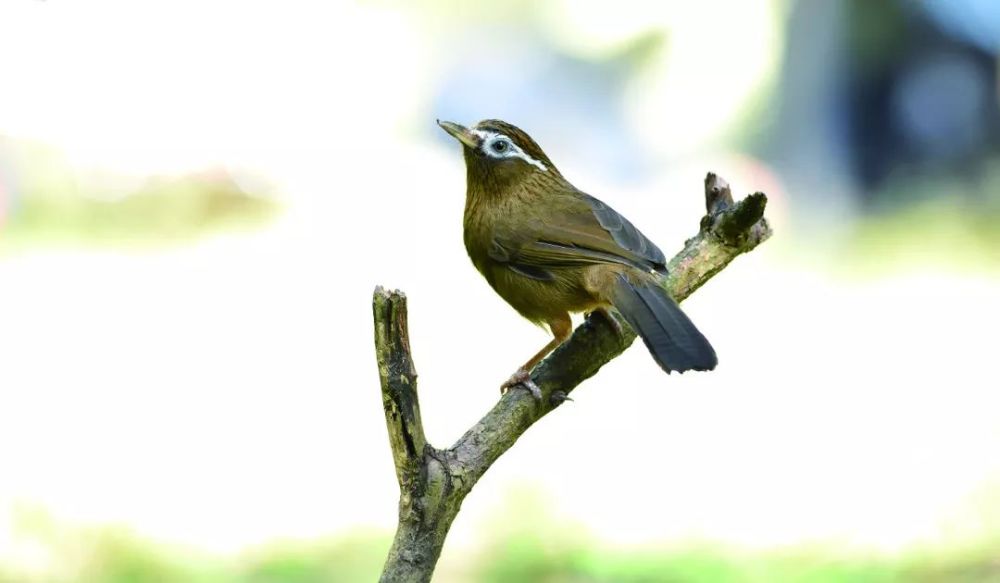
column 196, row 200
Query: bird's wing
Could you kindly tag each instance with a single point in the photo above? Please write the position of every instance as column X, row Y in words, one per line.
column 578, row 230
column 625, row 234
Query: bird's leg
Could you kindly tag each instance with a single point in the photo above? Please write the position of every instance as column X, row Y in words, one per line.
column 521, row 378
column 523, row 375
column 561, row 328
column 605, row 313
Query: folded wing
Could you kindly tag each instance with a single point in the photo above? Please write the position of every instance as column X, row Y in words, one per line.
column 584, row 231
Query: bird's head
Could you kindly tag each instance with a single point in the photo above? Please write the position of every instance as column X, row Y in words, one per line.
column 499, row 154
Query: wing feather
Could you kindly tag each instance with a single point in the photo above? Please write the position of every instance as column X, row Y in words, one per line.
column 588, row 232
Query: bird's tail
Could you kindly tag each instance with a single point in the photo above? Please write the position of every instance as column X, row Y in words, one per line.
column 669, row 335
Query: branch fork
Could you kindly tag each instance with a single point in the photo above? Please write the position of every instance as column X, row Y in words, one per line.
column 434, row 482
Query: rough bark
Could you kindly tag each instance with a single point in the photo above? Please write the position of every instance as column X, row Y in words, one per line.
column 434, row 482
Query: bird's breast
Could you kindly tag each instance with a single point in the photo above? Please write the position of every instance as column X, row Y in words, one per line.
column 478, row 238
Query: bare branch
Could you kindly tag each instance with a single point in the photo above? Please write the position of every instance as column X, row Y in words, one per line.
column 399, row 384
column 433, row 482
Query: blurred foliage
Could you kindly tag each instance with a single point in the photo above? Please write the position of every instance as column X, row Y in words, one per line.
column 358, row 557
column 712, row 565
column 536, row 547
column 935, row 234
column 161, row 210
column 541, row 548
column 959, row 232
column 117, row 556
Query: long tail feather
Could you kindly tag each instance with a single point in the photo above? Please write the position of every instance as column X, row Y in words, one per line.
column 670, row 336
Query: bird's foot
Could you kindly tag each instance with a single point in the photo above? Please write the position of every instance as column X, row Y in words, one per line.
column 558, row 398
column 522, row 378
column 611, row 320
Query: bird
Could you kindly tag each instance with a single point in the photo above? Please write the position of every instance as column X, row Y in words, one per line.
column 549, row 249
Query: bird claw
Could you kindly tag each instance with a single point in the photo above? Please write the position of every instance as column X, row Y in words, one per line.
column 558, row 398
column 611, row 320
column 522, row 378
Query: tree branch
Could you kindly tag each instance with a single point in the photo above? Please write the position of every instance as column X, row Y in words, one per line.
column 399, row 384
column 433, row 483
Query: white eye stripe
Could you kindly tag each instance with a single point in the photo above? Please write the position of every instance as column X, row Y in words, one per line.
column 513, row 151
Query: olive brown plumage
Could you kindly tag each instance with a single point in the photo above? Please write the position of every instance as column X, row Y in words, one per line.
column 549, row 249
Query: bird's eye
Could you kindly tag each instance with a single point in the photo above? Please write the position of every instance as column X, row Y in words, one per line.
column 499, row 146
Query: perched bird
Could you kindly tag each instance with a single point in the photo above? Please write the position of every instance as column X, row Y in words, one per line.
column 550, row 249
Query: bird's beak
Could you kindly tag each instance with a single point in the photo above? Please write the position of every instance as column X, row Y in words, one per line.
column 460, row 133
